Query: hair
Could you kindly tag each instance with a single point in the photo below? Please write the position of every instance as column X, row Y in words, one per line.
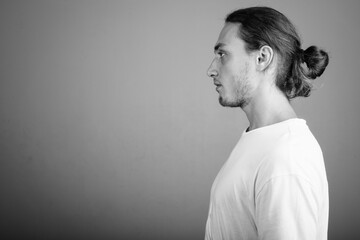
column 261, row 26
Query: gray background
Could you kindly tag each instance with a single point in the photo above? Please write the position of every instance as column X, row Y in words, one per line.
column 110, row 128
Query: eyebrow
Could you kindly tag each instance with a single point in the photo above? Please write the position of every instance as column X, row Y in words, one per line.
column 218, row 45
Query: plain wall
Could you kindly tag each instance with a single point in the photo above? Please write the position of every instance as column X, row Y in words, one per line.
column 110, row 128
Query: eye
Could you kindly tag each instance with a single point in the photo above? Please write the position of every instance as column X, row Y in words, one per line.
column 221, row 54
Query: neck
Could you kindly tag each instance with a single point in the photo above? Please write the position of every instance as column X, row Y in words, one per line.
column 269, row 106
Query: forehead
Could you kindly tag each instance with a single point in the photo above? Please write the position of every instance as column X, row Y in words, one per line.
column 229, row 36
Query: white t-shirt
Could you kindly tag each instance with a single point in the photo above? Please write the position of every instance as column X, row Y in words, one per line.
column 273, row 186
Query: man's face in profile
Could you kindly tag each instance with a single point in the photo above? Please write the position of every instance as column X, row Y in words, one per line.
column 231, row 68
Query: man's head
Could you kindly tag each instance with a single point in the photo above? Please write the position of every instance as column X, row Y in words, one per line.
column 261, row 40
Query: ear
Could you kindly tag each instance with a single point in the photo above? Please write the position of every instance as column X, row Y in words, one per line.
column 264, row 58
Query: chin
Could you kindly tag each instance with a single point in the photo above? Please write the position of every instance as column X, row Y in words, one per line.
column 232, row 103
column 226, row 103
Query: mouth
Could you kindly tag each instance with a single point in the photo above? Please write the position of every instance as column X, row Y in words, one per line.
column 218, row 85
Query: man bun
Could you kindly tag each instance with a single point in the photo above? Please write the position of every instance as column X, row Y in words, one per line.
column 306, row 66
column 316, row 61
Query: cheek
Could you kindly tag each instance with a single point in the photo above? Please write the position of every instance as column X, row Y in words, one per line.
column 230, row 74
column 231, row 69
column 230, row 86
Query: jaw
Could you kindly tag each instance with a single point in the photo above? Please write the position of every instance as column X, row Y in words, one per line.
column 239, row 101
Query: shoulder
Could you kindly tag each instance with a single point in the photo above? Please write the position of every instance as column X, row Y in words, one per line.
column 295, row 154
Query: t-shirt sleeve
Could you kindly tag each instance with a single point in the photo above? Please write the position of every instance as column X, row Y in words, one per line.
column 286, row 209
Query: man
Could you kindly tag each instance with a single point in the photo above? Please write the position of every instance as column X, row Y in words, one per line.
column 273, row 185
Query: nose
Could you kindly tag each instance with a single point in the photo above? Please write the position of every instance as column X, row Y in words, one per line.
column 211, row 72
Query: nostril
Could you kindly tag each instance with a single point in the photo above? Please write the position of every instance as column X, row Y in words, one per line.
column 211, row 73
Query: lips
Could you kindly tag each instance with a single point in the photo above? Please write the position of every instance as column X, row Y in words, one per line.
column 217, row 84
